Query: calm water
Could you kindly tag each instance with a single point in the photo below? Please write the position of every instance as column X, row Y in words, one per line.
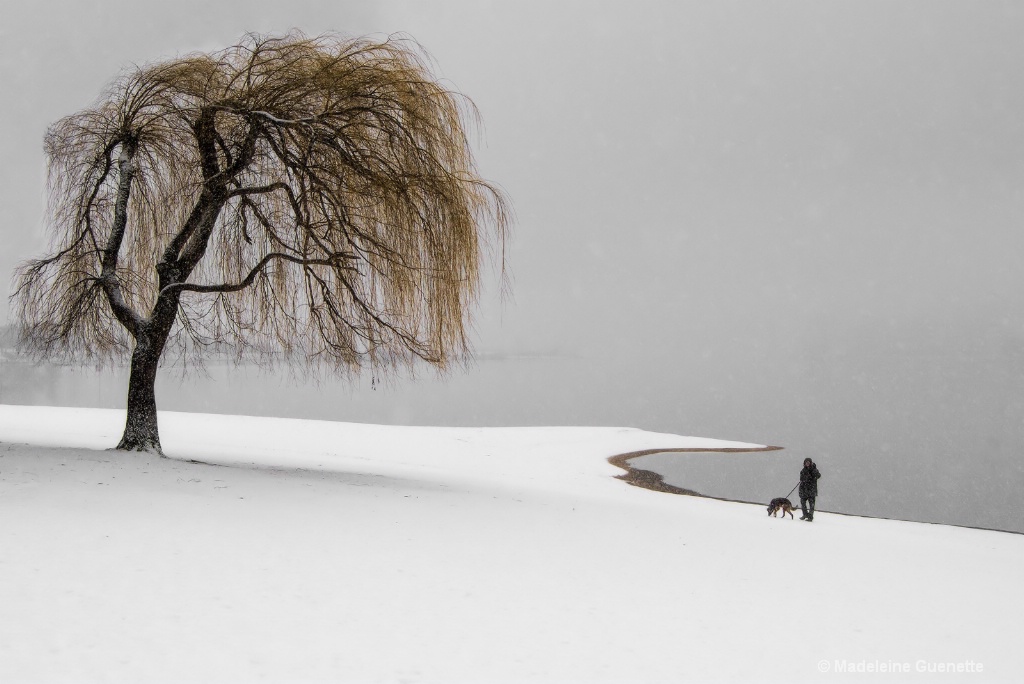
column 845, row 487
column 883, row 449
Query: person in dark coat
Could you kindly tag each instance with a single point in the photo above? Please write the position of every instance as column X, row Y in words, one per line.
column 808, row 489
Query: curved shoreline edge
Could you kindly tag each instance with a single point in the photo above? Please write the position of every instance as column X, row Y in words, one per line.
column 648, row 479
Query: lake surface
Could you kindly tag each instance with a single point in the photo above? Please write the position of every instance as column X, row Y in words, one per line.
column 759, row 477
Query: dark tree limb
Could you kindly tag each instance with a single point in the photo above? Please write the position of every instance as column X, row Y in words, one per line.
column 108, row 279
column 334, row 260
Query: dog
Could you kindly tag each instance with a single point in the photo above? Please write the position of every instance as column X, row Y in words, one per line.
column 780, row 504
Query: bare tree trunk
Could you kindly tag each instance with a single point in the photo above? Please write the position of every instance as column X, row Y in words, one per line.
column 140, row 430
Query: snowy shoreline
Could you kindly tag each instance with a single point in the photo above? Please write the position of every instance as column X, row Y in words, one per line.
column 349, row 552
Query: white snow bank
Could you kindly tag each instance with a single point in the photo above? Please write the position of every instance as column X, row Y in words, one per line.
column 561, row 458
column 447, row 555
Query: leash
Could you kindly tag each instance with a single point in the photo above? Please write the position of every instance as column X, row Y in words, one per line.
column 792, row 490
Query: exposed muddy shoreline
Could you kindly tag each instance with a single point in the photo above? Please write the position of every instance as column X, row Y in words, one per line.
column 648, row 479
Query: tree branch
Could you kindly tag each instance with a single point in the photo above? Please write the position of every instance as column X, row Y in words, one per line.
column 335, row 260
column 286, row 122
column 259, row 189
column 108, row 275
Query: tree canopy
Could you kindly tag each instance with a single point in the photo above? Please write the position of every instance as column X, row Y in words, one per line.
column 287, row 197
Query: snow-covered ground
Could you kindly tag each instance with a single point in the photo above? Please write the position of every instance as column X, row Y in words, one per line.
column 351, row 552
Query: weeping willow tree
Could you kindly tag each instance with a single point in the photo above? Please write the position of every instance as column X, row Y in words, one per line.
column 286, row 198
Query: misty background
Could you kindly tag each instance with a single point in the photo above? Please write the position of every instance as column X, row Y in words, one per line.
column 792, row 223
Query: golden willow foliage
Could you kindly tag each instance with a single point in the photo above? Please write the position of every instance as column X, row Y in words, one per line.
column 306, row 197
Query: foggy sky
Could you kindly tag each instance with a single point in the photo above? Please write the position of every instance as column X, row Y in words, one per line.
column 784, row 222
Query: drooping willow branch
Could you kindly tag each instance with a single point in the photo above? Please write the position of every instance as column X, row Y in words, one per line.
column 308, row 197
